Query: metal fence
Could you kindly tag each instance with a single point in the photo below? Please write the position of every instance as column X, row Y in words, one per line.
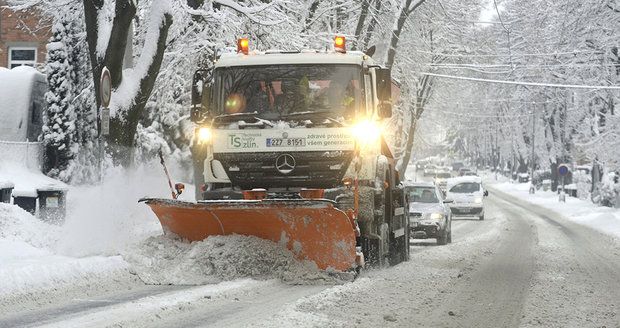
column 25, row 153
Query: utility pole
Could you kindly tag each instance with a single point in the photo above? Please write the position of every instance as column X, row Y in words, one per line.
column 532, row 188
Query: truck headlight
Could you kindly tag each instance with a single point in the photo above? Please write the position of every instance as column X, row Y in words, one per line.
column 478, row 200
column 204, row 135
column 366, row 132
column 436, row 216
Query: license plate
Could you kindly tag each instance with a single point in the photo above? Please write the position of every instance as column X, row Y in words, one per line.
column 465, row 210
column 286, row 142
column 413, row 224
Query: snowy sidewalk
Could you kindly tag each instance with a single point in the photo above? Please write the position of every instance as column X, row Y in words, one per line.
column 584, row 212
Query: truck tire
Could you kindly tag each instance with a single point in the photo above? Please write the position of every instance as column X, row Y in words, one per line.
column 399, row 246
column 442, row 239
column 378, row 247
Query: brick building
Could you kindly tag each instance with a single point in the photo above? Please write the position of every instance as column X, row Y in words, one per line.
column 23, row 36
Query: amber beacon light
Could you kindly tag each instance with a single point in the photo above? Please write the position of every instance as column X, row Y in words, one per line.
column 243, row 46
column 340, row 44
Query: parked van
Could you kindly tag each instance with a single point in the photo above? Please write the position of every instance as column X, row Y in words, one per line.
column 22, row 102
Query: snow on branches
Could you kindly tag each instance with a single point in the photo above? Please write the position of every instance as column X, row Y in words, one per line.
column 59, row 133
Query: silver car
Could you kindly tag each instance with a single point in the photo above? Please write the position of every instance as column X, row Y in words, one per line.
column 429, row 214
column 467, row 195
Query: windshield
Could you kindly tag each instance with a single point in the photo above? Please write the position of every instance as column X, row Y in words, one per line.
column 466, row 188
column 422, row 195
column 286, row 89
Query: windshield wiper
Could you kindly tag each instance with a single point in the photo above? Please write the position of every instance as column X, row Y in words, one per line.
column 235, row 116
column 308, row 114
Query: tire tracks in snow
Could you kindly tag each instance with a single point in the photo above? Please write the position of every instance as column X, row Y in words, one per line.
column 577, row 280
column 494, row 292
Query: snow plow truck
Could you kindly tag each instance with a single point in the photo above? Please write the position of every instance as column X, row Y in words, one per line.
column 290, row 148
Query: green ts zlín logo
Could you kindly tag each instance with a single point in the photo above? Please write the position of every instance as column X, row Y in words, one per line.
column 242, row 141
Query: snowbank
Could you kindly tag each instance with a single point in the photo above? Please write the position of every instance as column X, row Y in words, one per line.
column 163, row 260
column 20, row 226
column 603, row 219
column 102, row 220
column 28, row 260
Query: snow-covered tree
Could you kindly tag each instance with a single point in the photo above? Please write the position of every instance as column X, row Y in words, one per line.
column 59, row 131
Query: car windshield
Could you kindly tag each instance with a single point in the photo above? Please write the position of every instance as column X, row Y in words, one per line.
column 282, row 90
column 466, row 188
column 422, row 195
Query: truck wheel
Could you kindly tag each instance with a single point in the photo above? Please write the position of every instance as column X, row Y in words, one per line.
column 407, row 241
column 481, row 217
column 378, row 249
column 399, row 249
column 450, row 237
column 443, row 238
column 374, row 252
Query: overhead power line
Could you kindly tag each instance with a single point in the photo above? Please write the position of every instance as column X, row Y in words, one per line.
column 548, row 85
column 576, row 52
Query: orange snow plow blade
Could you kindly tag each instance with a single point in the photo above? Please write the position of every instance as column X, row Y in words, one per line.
column 313, row 230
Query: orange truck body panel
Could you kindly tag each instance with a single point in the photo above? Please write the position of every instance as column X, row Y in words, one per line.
column 313, row 230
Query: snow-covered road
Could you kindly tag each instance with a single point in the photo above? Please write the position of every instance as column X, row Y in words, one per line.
column 523, row 266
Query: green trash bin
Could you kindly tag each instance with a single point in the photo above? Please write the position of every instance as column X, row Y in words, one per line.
column 26, row 201
column 52, row 204
column 6, row 188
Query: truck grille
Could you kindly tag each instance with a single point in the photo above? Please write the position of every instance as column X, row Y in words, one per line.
column 317, row 169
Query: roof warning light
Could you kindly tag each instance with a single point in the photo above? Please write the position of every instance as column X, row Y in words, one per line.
column 243, row 46
column 339, row 44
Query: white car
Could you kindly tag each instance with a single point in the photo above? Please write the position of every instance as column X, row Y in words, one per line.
column 467, row 195
column 429, row 170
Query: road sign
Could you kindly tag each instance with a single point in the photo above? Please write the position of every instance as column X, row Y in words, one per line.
column 105, row 87
column 105, row 121
column 563, row 170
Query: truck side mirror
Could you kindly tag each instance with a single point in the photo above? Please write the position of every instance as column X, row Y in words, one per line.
column 201, row 97
column 384, row 84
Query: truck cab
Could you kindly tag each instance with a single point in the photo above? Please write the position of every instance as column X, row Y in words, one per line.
column 290, row 124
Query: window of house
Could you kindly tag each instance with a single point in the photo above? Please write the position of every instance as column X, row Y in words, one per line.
column 19, row 56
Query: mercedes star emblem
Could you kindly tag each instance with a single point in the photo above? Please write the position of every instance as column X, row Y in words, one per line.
column 285, row 163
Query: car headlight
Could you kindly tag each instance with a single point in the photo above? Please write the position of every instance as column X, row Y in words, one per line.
column 478, row 200
column 366, row 132
column 204, row 135
column 436, row 216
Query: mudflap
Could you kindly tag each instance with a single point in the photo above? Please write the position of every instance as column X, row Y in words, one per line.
column 314, row 230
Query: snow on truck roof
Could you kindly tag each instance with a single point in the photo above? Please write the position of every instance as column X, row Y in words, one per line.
column 15, row 96
column 302, row 57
